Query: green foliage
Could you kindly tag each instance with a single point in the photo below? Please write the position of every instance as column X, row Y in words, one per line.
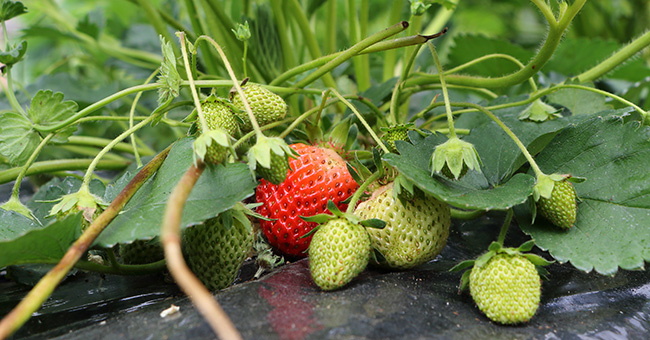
column 11, row 9
column 611, row 229
column 142, row 216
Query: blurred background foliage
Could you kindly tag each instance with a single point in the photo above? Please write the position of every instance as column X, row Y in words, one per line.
column 75, row 46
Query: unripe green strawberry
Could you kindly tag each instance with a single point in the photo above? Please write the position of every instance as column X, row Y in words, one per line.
column 277, row 173
column 447, row 172
column 338, row 252
column 507, row 288
column 267, row 106
column 561, row 207
column 215, row 253
column 398, row 132
column 142, row 252
column 416, row 230
column 218, row 115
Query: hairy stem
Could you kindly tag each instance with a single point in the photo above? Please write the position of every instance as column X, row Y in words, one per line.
column 616, row 59
column 30, row 161
column 445, row 94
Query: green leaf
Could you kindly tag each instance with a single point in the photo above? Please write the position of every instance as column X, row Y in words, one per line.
column 218, row 189
column 579, row 102
column 49, row 109
column 17, row 138
column 611, row 229
column 39, row 244
column 469, row 47
column 320, row 218
column 14, row 225
column 471, row 192
column 11, row 9
column 13, row 54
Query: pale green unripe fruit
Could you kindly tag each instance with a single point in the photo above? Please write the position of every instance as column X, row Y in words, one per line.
column 507, row 288
column 416, row 230
column 338, row 252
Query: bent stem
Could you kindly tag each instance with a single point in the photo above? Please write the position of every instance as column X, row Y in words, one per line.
column 132, row 114
column 362, row 188
column 107, row 148
column 445, row 94
column 363, row 121
column 522, row 147
column 16, row 189
column 44, row 288
column 170, row 237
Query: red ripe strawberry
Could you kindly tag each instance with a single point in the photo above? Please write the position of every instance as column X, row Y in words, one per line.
column 315, row 177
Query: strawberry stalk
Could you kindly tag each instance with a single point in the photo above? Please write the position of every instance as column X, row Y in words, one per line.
column 445, row 94
column 505, row 226
column 363, row 121
column 44, row 288
column 191, row 285
column 362, row 188
column 132, row 113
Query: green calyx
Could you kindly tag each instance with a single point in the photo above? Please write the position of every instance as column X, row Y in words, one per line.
column 14, row 204
column 270, row 155
column 495, row 249
column 538, row 111
column 555, row 198
column 455, row 155
column 338, row 214
column 83, row 201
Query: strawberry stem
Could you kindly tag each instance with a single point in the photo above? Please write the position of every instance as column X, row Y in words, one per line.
column 445, row 94
column 363, row 121
column 131, row 115
column 522, row 147
column 505, row 226
column 16, row 189
column 362, row 188
column 188, row 71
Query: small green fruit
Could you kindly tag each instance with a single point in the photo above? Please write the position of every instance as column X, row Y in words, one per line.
column 215, row 253
column 561, row 207
column 267, row 106
column 507, row 288
column 338, row 252
column 416, row 230
column 218, row 115
column 142, row 252
column 277, row 173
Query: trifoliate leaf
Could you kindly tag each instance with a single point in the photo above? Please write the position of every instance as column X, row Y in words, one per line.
column 11, row 9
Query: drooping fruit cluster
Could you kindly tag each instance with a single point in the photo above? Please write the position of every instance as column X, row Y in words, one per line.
column 315, row 176
column 215, row 252
column 507, row 288
column 338, row 252
column 267, row 106
column 416, row 230
column 561, row 207
column 142, row 252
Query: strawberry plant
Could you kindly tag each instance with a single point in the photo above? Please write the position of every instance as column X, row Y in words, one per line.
column 199, row 126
